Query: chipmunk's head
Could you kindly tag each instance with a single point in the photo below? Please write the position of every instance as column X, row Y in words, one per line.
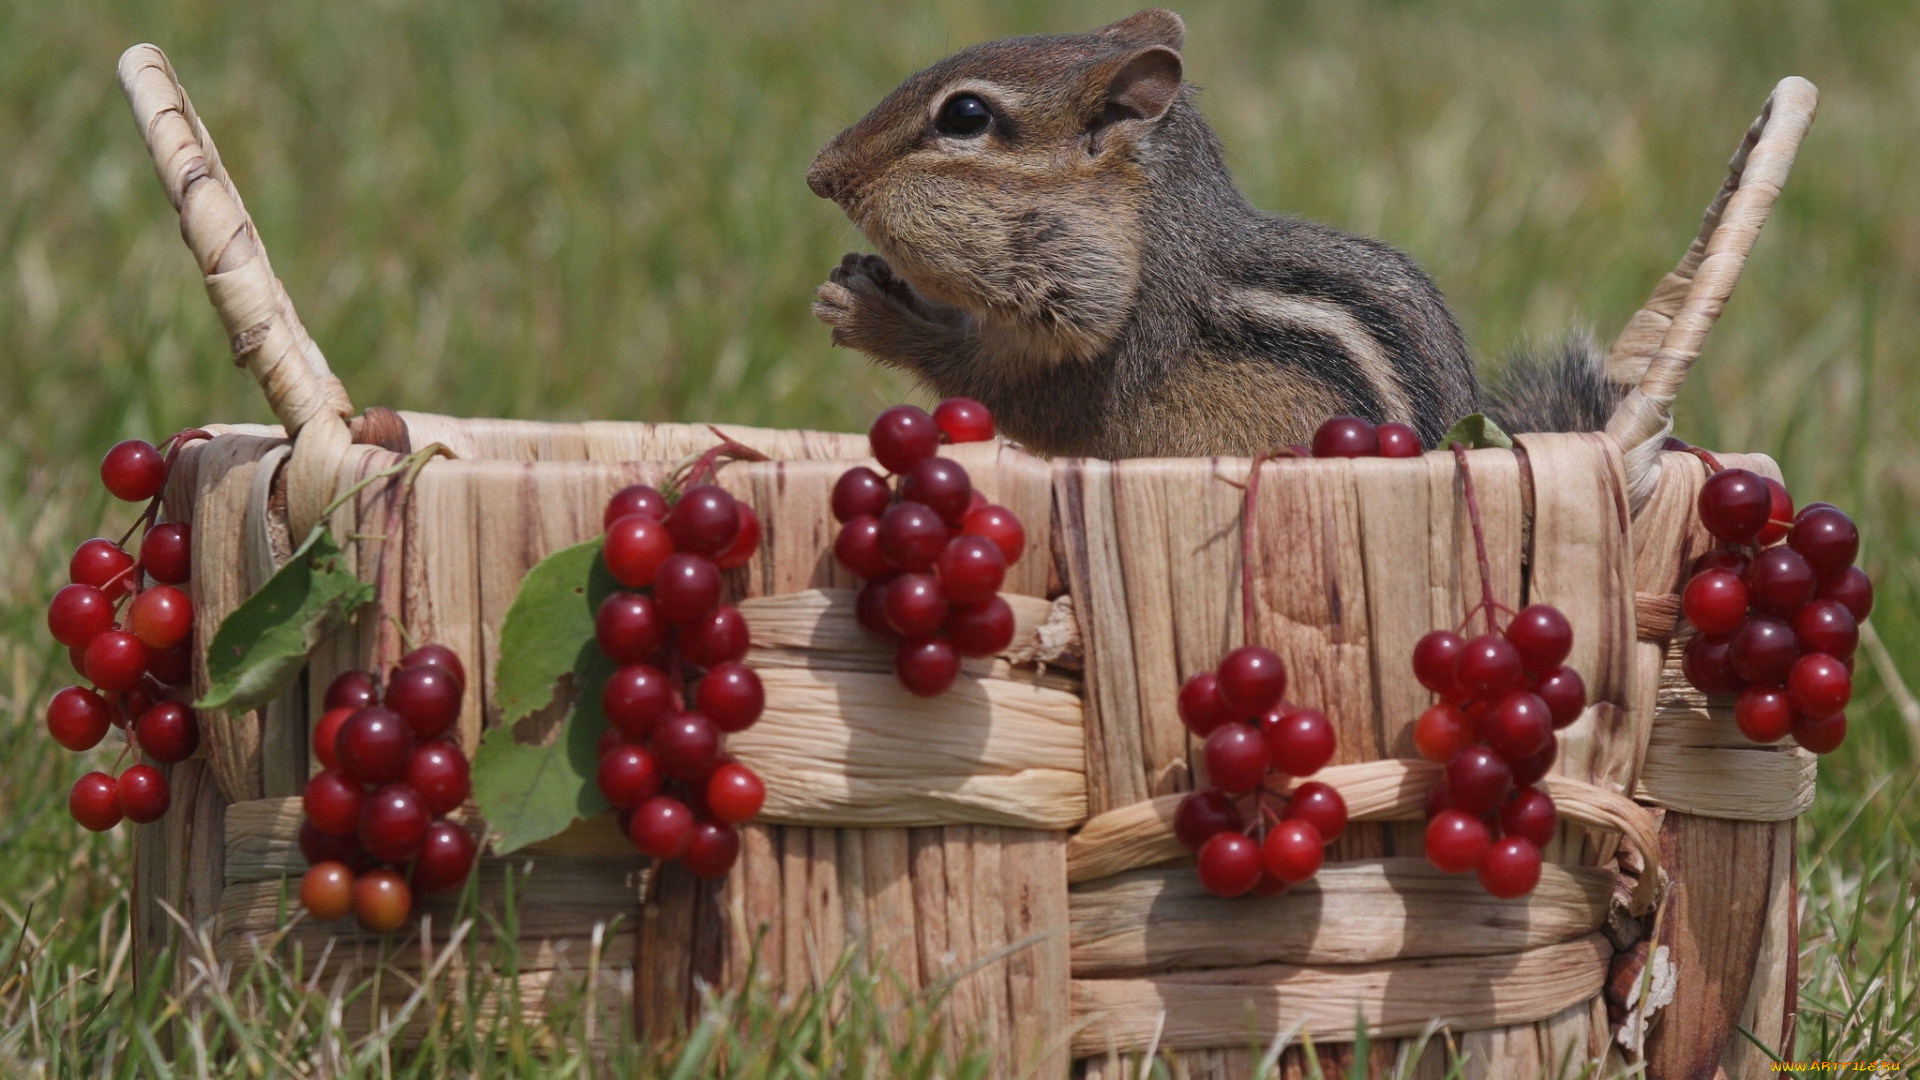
column 1008, row 179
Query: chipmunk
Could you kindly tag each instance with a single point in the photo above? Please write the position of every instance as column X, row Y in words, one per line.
column 1059, row 238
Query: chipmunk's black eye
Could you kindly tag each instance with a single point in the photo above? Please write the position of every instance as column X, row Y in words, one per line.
column 964, row 115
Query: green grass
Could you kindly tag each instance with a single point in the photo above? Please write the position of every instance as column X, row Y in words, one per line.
column 590, row 209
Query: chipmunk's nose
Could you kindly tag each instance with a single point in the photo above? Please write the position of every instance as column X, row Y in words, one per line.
column 825, row 181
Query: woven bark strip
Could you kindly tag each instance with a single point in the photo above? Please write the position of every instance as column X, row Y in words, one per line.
column 1222, row 1009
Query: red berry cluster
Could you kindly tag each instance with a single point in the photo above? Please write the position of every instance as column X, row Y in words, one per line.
column 662, row 765
column 934, row 553
column 390, row 776
column 1251, row 734
column 1777, row 622
column 1502, row 697
column 1350, row 437
column 139, row 659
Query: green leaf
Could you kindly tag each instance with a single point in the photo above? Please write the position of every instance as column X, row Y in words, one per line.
column 261, row 647
column 527, row 792
column 1477, row 432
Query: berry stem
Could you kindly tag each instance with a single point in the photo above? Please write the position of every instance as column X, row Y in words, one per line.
column 1479, row 536
column 1713, row 463
column 706, row 467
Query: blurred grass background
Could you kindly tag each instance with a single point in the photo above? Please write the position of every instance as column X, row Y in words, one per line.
column 596, row 210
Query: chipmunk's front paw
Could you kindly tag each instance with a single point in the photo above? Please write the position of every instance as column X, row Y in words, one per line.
column 861, row 299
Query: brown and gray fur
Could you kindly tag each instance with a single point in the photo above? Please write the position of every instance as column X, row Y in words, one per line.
column 1087, row 268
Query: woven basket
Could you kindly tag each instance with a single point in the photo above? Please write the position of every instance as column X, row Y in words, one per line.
column 1014, row 834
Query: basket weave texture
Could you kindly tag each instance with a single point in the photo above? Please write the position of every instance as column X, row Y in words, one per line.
column 1014, row 835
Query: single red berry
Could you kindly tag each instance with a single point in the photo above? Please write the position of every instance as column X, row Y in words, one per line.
column 1854, row 589
column 167, row 732
column 93, row 802
column 1436, row 659
column 332, row 803
column 1826, row 626
column 133, row 471
column 1530, row 770
column 1763, row 713
column 716, row 639
column 167, row 552
column 317, row 847
column 1827, row 538
column 351, row 690
column 857, row 548
column 636, row 698
column 1733, row 562
column 1237, row 758
column 382, row 900
column 1715, row 602
column 1292, row 850
column 115, row 660
column 870, row 609
column 1229, row 864
column 439, row 772
column 1397, row 440
column 963, row 420
column 1201, row 708
column 1763, row 650
column 437, row 656
column 1477, row 779
column 326, row 736
column 687, row 588
column 1346, row 436
column 687, row 747
column 745, row 542
column 1300, row 742
column 1734, row 504
column 634, row 499
column 1820, row 734
column 1455, row 841
column 1251, row 680
column 1779, row 582
column 971, row 569
column 984, row 629
column 1489, row 667
column 926, row 668
column 78, row 614
column 997, row 524
column 941, row 486
column 1510, row 868
column 1707, row 663
column 326, row 891
column 161, row 617
column 734, row 793
column 712, row 851
column 662, row 827
column 916, row 605
column 860, row 492
column 912, row 536
column 102, row 564
column 1565, row 694
column 629, row 627
column 445, row 859
column 393, row 823
column 1819, row 685
column 427, row 698
column 704, row 521
column 373, row 745
column 171, row 667
column 1542, row 636
column 635, row 547
column 1201, row 814
column 902, row 437
column 627, row 776
column 141, row 793
column 1441, row 732
column 1779, row 513
column 730, row 695
column 1519, row 726
column 1321, row 806
column 1530, row 814
column 78, row 718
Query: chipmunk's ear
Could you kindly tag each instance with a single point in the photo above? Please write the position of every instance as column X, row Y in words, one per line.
column 1154, row 26
column 1143, row 86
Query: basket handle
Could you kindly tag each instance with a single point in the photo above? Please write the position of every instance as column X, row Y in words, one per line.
column 1663, row 339
column 266, row 335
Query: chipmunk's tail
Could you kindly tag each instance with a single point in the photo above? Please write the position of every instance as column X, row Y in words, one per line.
column 1562, row 389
